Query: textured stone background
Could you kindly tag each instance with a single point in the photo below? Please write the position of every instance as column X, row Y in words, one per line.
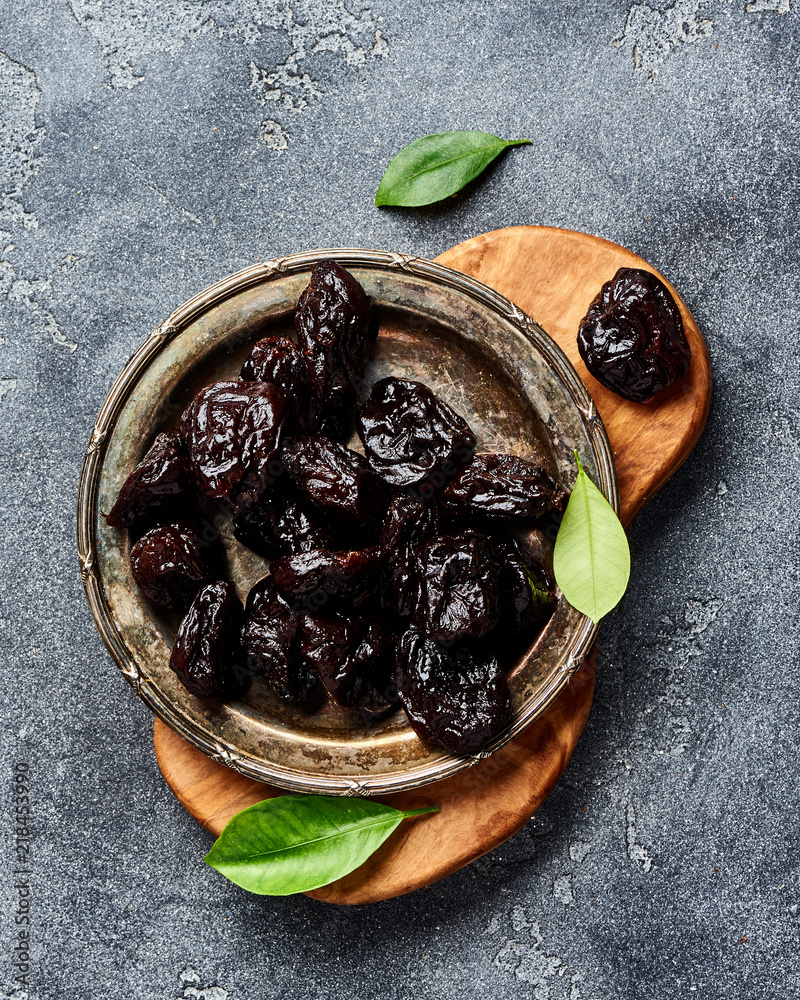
column 149, row 147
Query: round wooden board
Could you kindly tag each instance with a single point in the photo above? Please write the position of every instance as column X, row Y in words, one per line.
column 553, row 275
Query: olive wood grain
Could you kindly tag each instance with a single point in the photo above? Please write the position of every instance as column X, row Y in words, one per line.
column 552, row 274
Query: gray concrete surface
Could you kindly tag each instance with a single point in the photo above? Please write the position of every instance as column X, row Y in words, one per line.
column 148, row 148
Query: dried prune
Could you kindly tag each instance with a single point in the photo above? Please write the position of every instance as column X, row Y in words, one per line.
column 329, row 645
column 254, row 527
column 456, row 697
column 170, row 564
column 459, row 596
column 155, row 486
column 334, row 478
column 313, row 579
column 278, row 360
column 411, row 437
column 408, row 525
column 632, row 338
column 527, row 593
column 279, row 524
column 376, row 656
column 502, row 486
column 268, row 640
column 332, row 324
column 354, row 659
column 232, row 431
column 207, row 656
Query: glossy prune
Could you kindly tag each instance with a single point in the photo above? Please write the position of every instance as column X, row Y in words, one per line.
column 332, row 324
column 408, row 525
column 313, row 579
column 207, row 656
column 254, row 527
column 503, row 487
column 334, row 478
column 155, row 486
column 458, row 596
column 278, row 360
column 232, row 431
column 170, row 564
column 279, row 524
column 632, row 338
column 269, row 642
column 527, row 593
column 377, row 694
column 354, row 659
column 329, row 645
column 411, row 437
column 455, row 697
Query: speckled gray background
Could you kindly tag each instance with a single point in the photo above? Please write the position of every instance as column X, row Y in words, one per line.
column 148, row 148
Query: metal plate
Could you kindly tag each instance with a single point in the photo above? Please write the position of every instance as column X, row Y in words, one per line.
column 474, row 348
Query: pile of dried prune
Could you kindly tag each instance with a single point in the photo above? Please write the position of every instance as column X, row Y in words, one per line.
column 395, row 577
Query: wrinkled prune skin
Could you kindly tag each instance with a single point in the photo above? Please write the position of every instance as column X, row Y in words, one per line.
column 170, row 564
column 155, row 486
column 411, row 437
column 455, row 697
column 334, row 478
column 279, row 524
column 313, row 579
column 632, row 338
column 459, row 597
column 502, row 487
column 527, row 593
column 332, row 325
column 278, row 360
column 254, row 527
column 268, row 639
column 409, row 524
column 232, row 431
column 354, row 659
column 329, row 645
column 206, row 656
column 376, row 655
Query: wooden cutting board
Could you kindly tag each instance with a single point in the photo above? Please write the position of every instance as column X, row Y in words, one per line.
column 553, row 275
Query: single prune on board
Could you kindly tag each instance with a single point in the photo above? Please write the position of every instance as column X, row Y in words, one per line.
column 632, row 338
column 526, row 590
column 232, row 431
column 503, row 487
column 270, row 645
column 311, row 580
column 207, row 656
column 408, row 525
column 156, row 487
column 458, row 597
column 332, row 324
column 170, row 564
column 455, row 697
column 411, row 437
column 334, row 478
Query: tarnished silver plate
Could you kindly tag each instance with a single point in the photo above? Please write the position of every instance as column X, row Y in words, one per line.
column 473, row 347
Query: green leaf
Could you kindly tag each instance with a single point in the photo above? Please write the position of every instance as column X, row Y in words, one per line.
column 294, row 843
column 591, row 559
column 436, row 166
